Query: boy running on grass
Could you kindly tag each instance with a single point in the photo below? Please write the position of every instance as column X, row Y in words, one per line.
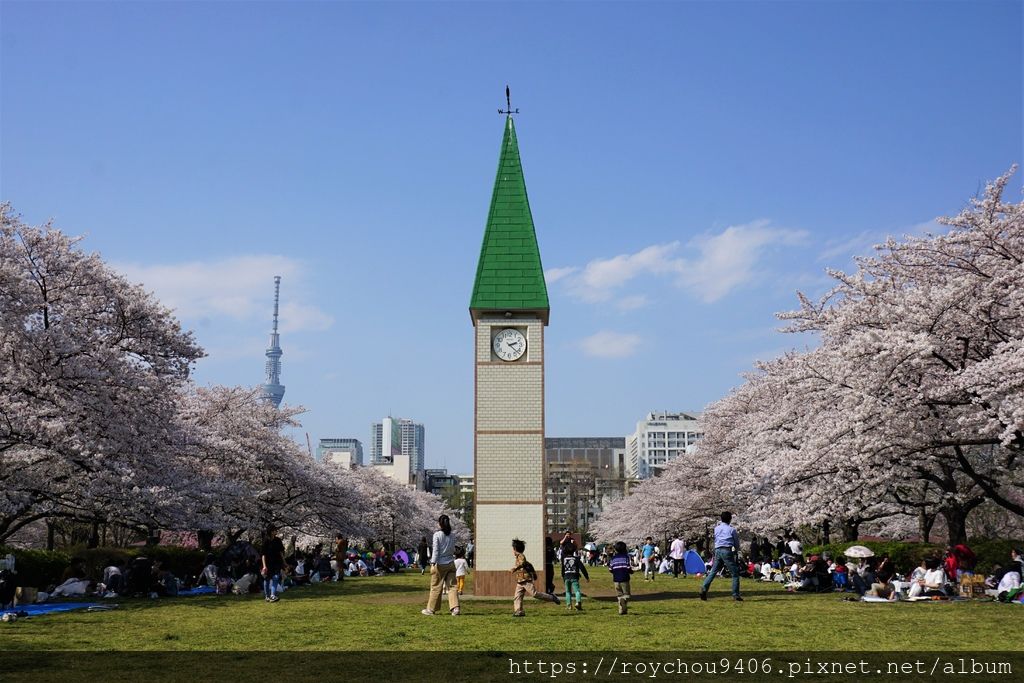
column 621, row 569
column 572, row 566
column 524, row 574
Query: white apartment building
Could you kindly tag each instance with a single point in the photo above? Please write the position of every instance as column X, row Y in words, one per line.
column 397, row 448
column 397, row 435
column 466, row 486
column 658, row 439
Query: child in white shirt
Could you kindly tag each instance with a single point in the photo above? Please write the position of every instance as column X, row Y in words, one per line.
column 461, row 569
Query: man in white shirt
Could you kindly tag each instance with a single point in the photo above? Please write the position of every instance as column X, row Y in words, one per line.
column 796, row 547
column 676, row 551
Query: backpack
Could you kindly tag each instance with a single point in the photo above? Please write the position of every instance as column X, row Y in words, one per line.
column 244, row 584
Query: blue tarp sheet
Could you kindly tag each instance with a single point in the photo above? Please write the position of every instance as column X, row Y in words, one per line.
column 199, row 590
column 47, row 607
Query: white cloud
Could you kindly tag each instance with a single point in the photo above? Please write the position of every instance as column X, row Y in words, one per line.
column 553, row 275
column 238, row 288
column 606, row 344
column 601, row 277
column 727, row 260
column 712, row 266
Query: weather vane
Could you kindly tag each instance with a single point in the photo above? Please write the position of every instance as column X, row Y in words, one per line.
column 508, row 103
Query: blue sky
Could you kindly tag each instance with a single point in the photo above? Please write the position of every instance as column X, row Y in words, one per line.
column 690, row 166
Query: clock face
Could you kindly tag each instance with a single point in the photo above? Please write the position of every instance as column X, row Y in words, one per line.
column 509, row 345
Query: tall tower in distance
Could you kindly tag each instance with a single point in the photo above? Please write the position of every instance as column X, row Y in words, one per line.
column 273, row 390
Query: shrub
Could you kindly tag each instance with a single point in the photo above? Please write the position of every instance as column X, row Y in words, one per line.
column 42, row 568
column 38, row 568
column 991, row 552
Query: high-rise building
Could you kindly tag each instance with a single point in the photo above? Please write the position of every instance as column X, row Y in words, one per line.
column 347, row 453
column 658, row 439
column 398, row 444
column 582, row 476
column 413, row 443
column 273, row 390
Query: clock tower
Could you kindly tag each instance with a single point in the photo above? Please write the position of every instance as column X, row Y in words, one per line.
column 509, row 310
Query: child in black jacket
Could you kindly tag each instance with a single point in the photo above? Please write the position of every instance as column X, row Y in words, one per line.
column 572, row 567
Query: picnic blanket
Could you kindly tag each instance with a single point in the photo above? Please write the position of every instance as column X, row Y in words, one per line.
column 198, row 590
column 46, row 608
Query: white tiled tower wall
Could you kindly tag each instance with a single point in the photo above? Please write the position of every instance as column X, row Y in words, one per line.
column 509, row 447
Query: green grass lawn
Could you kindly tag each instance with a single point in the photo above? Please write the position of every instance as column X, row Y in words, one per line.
column 383, row 614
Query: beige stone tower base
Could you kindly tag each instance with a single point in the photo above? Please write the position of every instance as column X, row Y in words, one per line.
column 509, row 453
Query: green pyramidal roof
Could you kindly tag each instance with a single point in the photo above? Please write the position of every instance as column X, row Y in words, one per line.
column 509, row 276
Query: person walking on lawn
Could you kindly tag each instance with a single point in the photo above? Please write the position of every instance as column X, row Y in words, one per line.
column 272, row 561
column 621, row 568
column 442, row 569
column 727, row 544
column 572, row 567
column 524, row 575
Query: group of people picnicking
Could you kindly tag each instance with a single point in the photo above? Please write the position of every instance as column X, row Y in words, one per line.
column 243, row 569
column 872, row 578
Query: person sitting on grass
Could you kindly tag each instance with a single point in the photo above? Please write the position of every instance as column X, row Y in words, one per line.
column 324, row 568
column 113, row 578
column 524, row 575
column 863, row 577
column 933, row 583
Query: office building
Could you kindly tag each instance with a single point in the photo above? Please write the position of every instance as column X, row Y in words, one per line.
column 658, row 439
column 581, row 477
column 347, row 453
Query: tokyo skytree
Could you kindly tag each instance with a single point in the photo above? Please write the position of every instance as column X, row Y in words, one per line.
column 273, row 390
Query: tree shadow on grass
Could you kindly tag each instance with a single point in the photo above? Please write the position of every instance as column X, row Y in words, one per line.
column 318, row 592
column 694, row 595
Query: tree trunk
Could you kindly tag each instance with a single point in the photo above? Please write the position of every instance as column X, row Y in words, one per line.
column 851, row 529
column 956, row 523
column 925, row 522
column 94, row 536
column 826, row 533
column 49, row 535
column 205, row 539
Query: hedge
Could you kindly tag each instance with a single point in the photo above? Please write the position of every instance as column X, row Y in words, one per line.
column 44, row 568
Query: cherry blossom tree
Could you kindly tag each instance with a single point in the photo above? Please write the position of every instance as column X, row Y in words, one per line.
column 87, row 382
column 396, row 513
column 933, row 326
column 911, row 405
